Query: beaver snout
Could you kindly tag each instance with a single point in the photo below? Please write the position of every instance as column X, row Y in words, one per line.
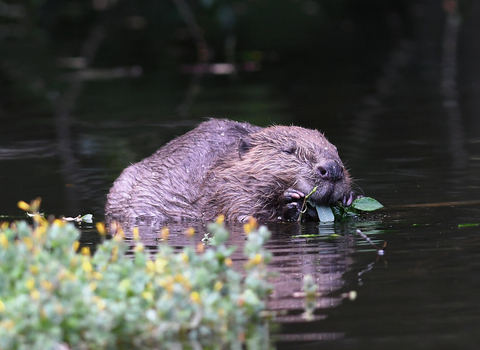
column 330, row 170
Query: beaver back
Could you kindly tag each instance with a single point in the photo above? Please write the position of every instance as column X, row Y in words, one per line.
column 166, row 184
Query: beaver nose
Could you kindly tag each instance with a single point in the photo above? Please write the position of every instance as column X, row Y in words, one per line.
column 330, row 171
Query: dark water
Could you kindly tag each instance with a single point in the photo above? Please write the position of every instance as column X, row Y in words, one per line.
column 409, row 142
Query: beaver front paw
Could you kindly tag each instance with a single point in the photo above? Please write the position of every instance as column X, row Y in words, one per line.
column 292, row 201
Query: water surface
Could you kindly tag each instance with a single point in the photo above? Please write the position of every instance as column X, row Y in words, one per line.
column 406, row 143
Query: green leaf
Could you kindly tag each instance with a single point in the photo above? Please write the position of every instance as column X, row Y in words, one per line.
column 325, row 213
column 366, row 204
column 88, row 218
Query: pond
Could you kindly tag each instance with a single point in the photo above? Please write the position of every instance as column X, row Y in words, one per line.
column 409, row 143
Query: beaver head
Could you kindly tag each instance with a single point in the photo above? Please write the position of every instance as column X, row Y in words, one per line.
column 272, row 172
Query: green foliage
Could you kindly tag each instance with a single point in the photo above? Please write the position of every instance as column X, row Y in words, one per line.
column 366, row 204
column 51, row 295
column 358, row 205
column 468, row 225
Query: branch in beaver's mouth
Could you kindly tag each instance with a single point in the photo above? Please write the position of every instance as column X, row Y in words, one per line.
column 323, row 212
column 322, row 209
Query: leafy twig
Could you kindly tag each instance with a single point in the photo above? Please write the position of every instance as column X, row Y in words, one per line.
column 304, row 205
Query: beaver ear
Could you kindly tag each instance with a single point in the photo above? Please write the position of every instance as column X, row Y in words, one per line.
column 244, row 146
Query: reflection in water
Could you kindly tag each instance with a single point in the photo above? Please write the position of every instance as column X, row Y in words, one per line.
column 374, row 105
column 320, row 250
column 64, row 107
column 449, row 86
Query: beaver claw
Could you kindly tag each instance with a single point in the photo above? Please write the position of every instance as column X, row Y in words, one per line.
column 293, row 201
column 292, row 195
column 349, row 197
column 291, row 211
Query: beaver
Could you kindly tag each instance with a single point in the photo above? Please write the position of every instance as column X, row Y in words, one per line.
column 235, row 169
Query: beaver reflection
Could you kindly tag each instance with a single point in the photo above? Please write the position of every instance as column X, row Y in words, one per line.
column 235, row 169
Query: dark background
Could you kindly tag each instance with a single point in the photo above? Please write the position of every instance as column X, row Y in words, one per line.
column 88, row 87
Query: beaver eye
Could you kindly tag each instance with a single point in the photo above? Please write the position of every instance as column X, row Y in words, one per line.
column 289, row 150
column 289, row 147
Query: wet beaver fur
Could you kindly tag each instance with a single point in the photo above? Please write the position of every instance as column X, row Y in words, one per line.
column 235, row 169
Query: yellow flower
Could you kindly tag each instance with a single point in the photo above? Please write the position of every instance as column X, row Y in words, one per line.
column 179, row 278
column 200, row 248
column 35, row 294
column 3, row 240
column 257, row 259
column 76, row 244
column 97, row 275
column 101, row 228
column 40, row 231
column 2, row 306
column 28, row 242
column 30, row 283
column 85, row 251
column 7, row 324
column 164, row 232
column 87, row 267
column 59, row 223
column 42, row 222
column 114, row 254
column 251, row 225
column 147, row 295
column 160, row 264
column 228, row 262
column 100, row 302
column 93, row 286
column 220, row 219
column 218, row 286
column 24, row 206
column 4, row 225
column 150, row 266
column 195, row 297
column 119, row 234
column 136, row 233
column 184, row 257
column 47, row 285
column 35, row 204
column 139, row 247
column 189, row 232
column 167, row 284
column 34, row 269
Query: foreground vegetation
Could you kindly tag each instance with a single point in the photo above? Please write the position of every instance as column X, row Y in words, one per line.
column 53, row 295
